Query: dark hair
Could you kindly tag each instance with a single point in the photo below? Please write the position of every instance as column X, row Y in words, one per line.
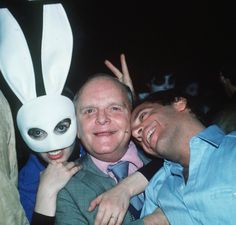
column 167, row 97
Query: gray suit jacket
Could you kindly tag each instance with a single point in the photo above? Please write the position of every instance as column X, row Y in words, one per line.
column 74, row 199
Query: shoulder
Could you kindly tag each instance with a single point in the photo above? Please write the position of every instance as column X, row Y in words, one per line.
column 88, row 180
column 232, row 135
column 32, row 167
column 159, row 177
column 6, row 115
column 228, row 144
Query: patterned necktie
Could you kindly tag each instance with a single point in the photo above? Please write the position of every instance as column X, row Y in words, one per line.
column 120, row 171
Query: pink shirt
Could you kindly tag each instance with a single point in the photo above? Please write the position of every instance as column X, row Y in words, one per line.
column 131, row 155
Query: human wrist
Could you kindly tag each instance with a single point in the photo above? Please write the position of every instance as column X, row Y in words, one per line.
column 46, row 206
column 46, row 201
column 134, row 184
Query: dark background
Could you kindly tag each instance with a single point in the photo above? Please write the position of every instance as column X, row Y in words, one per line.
column 188, row 39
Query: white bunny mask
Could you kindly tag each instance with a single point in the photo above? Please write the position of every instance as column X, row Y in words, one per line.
column 47, row 122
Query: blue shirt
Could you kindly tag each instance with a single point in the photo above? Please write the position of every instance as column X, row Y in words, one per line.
column 209, row 196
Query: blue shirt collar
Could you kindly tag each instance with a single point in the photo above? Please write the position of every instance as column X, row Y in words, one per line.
column 213, row 135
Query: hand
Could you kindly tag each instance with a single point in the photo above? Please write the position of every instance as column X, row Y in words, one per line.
column 52, row 180
column 123, row 76
column 156, row 218
column 56, row 175
column 113, row 205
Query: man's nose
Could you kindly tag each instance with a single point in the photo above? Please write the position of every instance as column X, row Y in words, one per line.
column 102, row 117
column 137, row 132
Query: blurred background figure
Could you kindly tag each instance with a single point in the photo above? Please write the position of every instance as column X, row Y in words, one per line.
column 11, row 211
column 162, row 81
column 226, row 118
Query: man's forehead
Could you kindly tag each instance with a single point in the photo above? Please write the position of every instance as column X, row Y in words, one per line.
column 96, row 81
column 100, row 85
column 95, row 89
column 143, row 107
column 139, row 109
column 102, row 101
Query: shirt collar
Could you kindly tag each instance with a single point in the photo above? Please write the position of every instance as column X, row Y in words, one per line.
column 213, row 135
column 131, row 155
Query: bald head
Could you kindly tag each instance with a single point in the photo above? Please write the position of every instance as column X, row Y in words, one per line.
column 102, row 76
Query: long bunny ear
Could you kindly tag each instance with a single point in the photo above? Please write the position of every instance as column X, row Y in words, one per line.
column 57, row 44
column 15, row 60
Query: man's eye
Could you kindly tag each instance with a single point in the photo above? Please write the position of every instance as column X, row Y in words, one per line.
column 115, row 108
column 62, row 126
column 88, row 111
column 37, row 134
column 142, row 115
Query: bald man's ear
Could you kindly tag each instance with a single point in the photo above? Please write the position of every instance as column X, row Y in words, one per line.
column 180, row 104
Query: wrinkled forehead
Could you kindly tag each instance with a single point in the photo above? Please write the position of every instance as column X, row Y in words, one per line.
column 102, row 90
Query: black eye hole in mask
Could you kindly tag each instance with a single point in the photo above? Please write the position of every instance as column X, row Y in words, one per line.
column 37, row 133
column 62, row 126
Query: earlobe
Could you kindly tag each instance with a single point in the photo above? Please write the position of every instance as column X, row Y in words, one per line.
column 180, row 104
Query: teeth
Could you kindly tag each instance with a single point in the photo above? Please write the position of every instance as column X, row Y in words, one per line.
column 149, row 134
column 54, row 152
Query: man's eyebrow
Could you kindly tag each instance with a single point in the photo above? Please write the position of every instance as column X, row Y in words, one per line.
column 138, row 113
column 144, row 109
column 85, row 107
